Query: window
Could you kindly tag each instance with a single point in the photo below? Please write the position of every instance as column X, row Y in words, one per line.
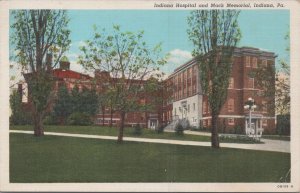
column 204, row 107
column 230, row 121
column 254, row 62
column 250, row 82
column 231, row 105
column 247, row 61
column 188, row 108
column 265, row 122
column 231, row 83
column 99, row 121
column 194, row 106
column 204, row 123
column 175, row 111
column 264, row 106
column 264, row 63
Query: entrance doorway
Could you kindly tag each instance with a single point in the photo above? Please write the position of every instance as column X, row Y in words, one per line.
column 153, row 123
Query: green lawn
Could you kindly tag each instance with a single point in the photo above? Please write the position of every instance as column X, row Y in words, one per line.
column 67, row 159
column 128, row 132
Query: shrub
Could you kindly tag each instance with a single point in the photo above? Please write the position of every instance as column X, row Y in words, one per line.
column 184, row 123
column 137, row 129
column 50, row 120
column 238, row 130
column 21, row 119
column 19, row 115
column 160, row 129
column 79, row 119
column 179, row 129
column 283, row 126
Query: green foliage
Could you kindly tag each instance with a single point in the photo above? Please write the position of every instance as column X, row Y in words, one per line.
column 37, row 35
column 32, row 47
column 179, row 130
column 19, row 116
column 213, row 48
column 276, row 82
column 238, row 138
column 85, row 102
column 50, row 120
column 63, row 105
column 79, row 118
column 137, row 129
column 214, row 34
column 160, row 128
column 125, row 56
column 283, row 125
column 128, row 60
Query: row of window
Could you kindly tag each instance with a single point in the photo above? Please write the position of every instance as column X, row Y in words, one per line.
column 231, row 121
column 252, row 61
column 185, row 109
column 250, row 83
column 231, row 106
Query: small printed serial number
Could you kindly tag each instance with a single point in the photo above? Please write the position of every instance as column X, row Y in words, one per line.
column 284, row 186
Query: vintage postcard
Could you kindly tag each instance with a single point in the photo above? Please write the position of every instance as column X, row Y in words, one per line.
column 150, row 96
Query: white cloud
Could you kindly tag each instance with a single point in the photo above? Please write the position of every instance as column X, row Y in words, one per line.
column 77, row 44
column 78, row 68
column 72, row 56
column 176, row 58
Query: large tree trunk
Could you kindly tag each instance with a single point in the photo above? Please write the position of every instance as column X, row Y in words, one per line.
column 121, row 128
column 214, row 131
column 38, row 124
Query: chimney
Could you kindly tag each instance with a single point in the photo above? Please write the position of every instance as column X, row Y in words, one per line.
column 64, row 63
column 49, row 62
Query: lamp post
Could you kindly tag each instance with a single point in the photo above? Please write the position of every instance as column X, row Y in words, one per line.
column 250, row 105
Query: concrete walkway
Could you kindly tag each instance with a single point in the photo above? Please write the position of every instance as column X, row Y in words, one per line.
column 204, row 133
column 269, row 145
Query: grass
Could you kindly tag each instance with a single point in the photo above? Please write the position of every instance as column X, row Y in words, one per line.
column 128, row 132
column 67, row 159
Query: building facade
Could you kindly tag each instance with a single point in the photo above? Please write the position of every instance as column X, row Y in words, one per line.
column 190, row 103
column 182, row 96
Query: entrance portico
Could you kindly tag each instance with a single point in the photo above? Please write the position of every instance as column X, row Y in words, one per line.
column 255, row 128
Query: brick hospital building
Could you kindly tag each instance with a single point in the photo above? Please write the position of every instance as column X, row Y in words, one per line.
column 183, row 98
column 190, row 103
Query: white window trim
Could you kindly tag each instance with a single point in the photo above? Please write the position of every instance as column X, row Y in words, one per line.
column 231, row 123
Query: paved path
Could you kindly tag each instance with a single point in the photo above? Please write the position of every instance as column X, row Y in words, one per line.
column 204, row 133
column 269, row 145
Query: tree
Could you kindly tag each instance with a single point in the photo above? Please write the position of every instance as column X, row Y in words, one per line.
column 39, row 37
column 89, row 101
column 283, row 99
column 128, row 62
column 214, row 34
column 63, row 104
column 278, row 85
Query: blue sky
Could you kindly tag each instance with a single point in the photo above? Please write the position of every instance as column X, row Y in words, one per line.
column 264, row 29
